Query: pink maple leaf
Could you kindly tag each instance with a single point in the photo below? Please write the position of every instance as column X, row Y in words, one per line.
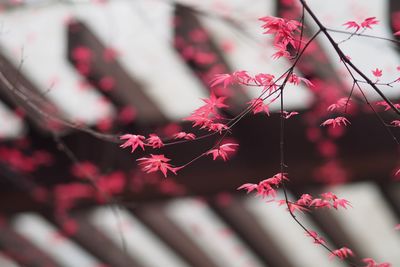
column 222, row 151
column 264, row 79
column 293, row 207
column 294, row 79
column 339, row 104
column 133, row 141
column 341, row 202
column 258, row 106
column 396, row 123
column 341, row 253
column 154, row 141
column 397, row 172
column 276, row 179
column 329, row 196
column 372, row 263
column 264, row 190
column 157, row 163
column 249, row 187
column 184, row 135
column 368, row 22
column 338, row 121
column 397, row 33
column 226, row 79
column 352, row 24
column 282, row 52
column 217, row 127
column 215, row 102
column 386, row 105
column 305, row 200
column 320, row 203
column 287, row 115
column 316, row 237
column 377, row 73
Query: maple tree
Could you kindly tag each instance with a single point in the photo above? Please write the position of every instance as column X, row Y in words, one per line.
column 291, row 43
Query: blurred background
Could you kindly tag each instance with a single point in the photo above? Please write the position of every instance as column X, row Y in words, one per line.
column 75, row 74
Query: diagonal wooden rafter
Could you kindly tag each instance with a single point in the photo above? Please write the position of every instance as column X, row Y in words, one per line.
column 241, row 220
column 17, row 91
column 23, row 251
column 96, row 243
column 126, row 91
column 186, row 26
column 154, row 217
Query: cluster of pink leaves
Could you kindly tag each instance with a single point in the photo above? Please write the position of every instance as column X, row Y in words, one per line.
column 326, row 200
column 366, row 23
column 264, row 80
column 18, row 160
column 208, row 116
column 341, row 253
column 66, row 195
column 338, row 121
column 371, row 263
column 153, row 162
column 340, row 105
column 222, row 151
column 267, row 187
column 284, row 34
column 345, row 252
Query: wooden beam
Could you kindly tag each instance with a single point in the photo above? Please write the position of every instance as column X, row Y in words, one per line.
column 95, row 242
column 23, row 251
column 154, row 217
column 126, row 90
column 17, row 91
column 187, row 25
column 366, row 157
column 236, row 215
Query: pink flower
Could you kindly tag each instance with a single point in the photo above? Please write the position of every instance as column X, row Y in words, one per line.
column 157, row 163
column 222, row 151
column 132, row 140
column 154, row 141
